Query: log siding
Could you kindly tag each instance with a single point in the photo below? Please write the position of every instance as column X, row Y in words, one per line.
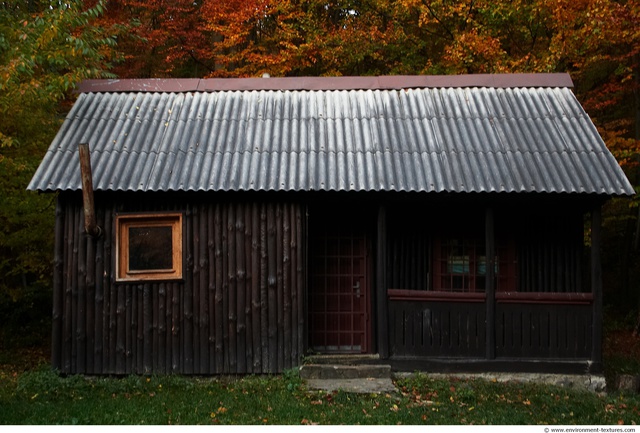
column 238, row 309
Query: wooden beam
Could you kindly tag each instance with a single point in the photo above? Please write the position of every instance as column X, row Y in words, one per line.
column 596, row 283
column 434, row 296
column 57, row 330
column 382, row 311
column 490, row 257
column 303, row 276
column 90, row 225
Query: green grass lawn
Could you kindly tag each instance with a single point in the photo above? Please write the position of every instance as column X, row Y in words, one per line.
column 30, row 393
column 39, row 396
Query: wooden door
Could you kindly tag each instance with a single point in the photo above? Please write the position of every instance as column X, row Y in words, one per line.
column 339, row 294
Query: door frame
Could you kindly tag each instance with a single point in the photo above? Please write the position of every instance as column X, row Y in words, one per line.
column 320, row 219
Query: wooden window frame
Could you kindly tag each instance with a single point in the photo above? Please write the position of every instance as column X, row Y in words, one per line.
column 126, row 221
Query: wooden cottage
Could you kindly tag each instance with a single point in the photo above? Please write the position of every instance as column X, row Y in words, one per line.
column 437, row 222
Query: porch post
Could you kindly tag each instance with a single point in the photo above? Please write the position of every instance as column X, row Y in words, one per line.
column 382, row 329
column 596, row 283
column 490, row 255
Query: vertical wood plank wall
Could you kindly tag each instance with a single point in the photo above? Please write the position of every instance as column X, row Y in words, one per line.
column 437, row 329
column 531, row 331
column 238, row 309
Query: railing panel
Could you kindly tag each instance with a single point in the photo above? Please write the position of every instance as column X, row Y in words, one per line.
column 536, row 326
column 535, row 331
column 437, row 329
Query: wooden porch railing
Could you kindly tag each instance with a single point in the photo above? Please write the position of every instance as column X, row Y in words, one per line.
column 454, row 325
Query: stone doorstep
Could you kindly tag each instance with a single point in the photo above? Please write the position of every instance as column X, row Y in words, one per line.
column 361, row 379
column 328, row 371
column 344, row 359
column 359, row 386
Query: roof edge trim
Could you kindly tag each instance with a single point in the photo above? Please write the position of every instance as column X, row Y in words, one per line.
column 390, row 82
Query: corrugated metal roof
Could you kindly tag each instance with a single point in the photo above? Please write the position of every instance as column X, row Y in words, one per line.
column 433, row 139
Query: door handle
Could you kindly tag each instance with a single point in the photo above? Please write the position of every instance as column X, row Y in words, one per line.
column 356, row 288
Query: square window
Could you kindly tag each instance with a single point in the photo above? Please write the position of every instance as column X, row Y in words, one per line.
column 149, row 247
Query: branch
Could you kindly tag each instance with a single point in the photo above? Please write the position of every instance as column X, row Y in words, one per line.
column 193, row 57
column 433, row 14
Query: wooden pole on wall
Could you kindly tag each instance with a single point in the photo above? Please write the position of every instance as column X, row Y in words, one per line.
column 58, row 287
column 382, row 312
column 90, row 225
column 596, row 284
column 490, row 258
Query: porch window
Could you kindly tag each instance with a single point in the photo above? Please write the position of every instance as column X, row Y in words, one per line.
column 460, row 265
column 149, row 246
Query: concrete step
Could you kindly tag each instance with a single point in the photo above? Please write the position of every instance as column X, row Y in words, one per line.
column 335, row 371
column 347, row 359
column 368, row 385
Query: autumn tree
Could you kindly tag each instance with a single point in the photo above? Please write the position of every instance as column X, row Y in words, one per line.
column 46, row 48
column 292, row 38
column 165, row 38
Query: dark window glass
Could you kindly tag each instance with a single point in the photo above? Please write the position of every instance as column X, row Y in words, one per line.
column 463, row 266
column 150, row 248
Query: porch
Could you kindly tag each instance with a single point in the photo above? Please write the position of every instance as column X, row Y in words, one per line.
column 427, row 297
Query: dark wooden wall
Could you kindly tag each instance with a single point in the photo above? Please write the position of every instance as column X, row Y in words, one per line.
column 551, row 254
column 238, row 309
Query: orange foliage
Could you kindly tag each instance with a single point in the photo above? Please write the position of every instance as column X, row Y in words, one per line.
column 164, row 36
